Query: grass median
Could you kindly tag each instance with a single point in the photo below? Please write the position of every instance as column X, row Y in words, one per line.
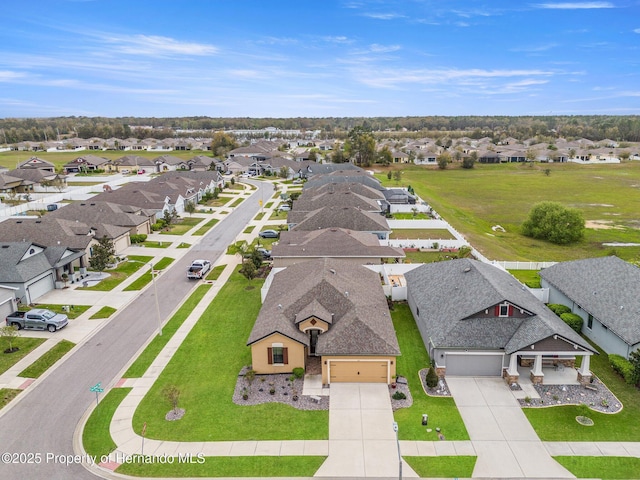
column 206, row 227
column 25, row 345
column 96, row 438
column 120, row 273
column 146, row 277
column 443, row 466
column 205, row 369
column 47, row 360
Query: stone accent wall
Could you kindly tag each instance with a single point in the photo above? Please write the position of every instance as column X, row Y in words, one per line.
column 536, row 379
column 510, row 378
column 584, row 379
column 441, row 371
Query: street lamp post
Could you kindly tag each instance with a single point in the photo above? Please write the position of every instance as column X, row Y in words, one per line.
column 395, row 429
column 155, row 291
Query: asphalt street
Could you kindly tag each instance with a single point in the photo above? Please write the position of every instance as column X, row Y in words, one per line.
column 38, row 430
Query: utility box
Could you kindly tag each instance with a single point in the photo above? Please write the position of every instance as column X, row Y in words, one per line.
column 425, row 419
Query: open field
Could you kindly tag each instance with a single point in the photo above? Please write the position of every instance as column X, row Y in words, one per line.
column 473, row 201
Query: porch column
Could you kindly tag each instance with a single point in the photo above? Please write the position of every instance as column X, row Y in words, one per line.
column 512, row 375
column 584, row 374
column 536, row 374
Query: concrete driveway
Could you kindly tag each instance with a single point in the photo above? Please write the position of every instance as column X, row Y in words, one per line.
column 362, row 442
column 506, row 444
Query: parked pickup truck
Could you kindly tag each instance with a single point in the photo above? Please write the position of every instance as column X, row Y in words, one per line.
column 198, row 269
column 38, row 319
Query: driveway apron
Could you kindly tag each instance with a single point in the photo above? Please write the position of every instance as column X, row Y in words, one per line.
column 506, row 444
column 362, row 442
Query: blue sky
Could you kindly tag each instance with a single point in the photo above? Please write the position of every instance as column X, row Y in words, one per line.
column 325, row 58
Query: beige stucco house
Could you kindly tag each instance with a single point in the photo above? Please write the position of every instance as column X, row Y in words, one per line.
column 326, row 311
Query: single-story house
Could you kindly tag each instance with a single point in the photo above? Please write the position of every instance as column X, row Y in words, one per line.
column 87, row 163
column 350, row 218
column 605, row 292
column 329, row 312
column 358, row 247
column 477, row 320
column 38, row 164
column 167, row 163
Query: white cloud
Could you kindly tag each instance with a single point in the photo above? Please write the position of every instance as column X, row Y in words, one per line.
column 575, row 5
column 383, row 16
column 155, row 45
column 376, row 48
column 637, row 30
column 9, row 76
column 340, row 39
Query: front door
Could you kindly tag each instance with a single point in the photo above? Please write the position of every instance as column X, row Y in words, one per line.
column 313, row 341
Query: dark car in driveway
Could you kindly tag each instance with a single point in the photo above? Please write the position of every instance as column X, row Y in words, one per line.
column 268, row 234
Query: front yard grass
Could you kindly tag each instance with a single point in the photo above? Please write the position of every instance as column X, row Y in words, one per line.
column 443, row 467
column 41, row 365
column 249, row 229
column 146, row 277
column 237, row 202
column 272, row 467
column 442, row 411
column 74, row 310
column 7, row 394
column 559, row 423
column 104, row 312
column 26, row 346
column 155, row 244
column 142, row 363
column 205, row 368
column 96, row 438
column 206, row 227
column 120, row 273
column 182, row 226
column 606, row 468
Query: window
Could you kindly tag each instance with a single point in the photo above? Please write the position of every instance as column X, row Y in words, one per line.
column 277, row 355
column 504, row 310
column 590, row 322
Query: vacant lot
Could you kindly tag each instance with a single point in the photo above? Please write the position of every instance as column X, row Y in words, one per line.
column 473, row 201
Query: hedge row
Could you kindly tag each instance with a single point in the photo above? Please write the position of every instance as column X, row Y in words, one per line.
column 573, row 320
column 558, row 308
column 623, row 367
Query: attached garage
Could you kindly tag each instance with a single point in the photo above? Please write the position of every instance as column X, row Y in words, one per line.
column 39, row 288
column 466, row 364
column 359, row 371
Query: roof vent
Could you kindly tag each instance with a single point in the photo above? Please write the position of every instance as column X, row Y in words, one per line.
column 332, row 271
column 467, row 270
column 346, row 294
column 280, row 306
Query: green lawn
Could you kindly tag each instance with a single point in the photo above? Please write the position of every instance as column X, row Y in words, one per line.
column 26, row 346
column 606, row 468
column 7, row 394
column 143, row 280
column 422, row 233
column 156, row 244
column 96, row 438
column 249, row 229
column 47, row 360
column 206, row 227
column 559, row 424
column 259, row 215
column 442, row 467
column 142, row 363
column 120, row 273
column 184, row 245
column 442, row 411
column 529, row 277
column 72, row 313
column 205, row 368
column 215, row 272
column 473, row 201
column 237, row 202
column 182, row 226
column 411, row 216
column 270, row 467
column 104, row 312
column 425, row 257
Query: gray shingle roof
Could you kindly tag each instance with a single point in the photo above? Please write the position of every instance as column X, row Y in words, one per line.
column 308, row 202
column 339, row 217
column 360, row 320
column 601, row 286
column 453, row 295
column 13, row 270
column 332, row 242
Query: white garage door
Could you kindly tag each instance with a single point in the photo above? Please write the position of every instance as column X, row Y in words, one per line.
column 40, row 287
column 6, row 309
column 362, row 371
column 474, row 365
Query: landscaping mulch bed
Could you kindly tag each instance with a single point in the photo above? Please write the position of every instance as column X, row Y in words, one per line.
column 600, row 400
column 441, row 390
column 403, row 387
column 259, row 392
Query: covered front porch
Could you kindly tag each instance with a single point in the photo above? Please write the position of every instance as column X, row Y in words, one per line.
column 551, row 368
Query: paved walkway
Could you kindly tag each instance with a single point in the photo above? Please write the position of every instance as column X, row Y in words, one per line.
column 502, row 437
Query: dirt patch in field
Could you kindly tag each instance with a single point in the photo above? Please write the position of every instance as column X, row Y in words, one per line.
column 600, row 224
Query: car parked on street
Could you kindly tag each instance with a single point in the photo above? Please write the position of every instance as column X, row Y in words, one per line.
column 268, row 234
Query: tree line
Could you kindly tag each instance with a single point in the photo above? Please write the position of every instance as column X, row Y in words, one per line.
column 624, row 128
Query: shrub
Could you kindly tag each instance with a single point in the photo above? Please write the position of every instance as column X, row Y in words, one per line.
column 573, row 320
column 398, row 396
column 138, row 237
column 555, row 223
column 624, row 367
column 298, row 372
column 157, row 226
column 558, row 308
column 432, row 378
